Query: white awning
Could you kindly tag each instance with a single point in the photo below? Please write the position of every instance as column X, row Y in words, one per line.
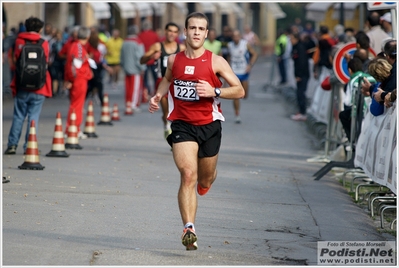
column 349, row 10
column 101, row 10
column 182, row 6
column 144, row 9
column 317, row 11
column 159, row 8
column 127, row 10
column 230, row 8
column 207, row 7
column 276, row 11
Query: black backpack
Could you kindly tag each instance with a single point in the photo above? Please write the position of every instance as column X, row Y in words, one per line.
column 31, row 66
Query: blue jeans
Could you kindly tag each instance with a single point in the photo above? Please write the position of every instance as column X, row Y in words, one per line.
column 282, row 65
column 26, row 104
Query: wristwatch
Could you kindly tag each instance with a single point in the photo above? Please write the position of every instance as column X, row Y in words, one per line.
column 217, row 92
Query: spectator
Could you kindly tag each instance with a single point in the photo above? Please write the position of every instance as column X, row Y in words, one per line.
column 309, row 43
column 380, row 69
column 301, row 72
column 149, row 37
column 339, row 32
column 308, row 28
column 349, row 35
column 322, row 56
column 96, row 50
column 212, row 44
column 73, row 38
column 103, row 34
column 390, row 51
column 356, row 75
column 386, row 23
column 376, row 34
column 283, row 48
column 298, row 25
column 363, row 46
column 225, row 38
column 56, row 65
column 113, row 57
column 27, row 103
column 48, row 31
column 21, row 28
column 8, row 50
column 77, row 75
column 131, row 52
column 65, row 34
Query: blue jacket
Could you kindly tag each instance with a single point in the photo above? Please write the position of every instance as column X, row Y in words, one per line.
column 376, row 108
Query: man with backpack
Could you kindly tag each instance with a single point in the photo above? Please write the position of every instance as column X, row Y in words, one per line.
column 32, row 82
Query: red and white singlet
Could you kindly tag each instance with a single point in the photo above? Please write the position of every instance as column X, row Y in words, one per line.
column 184, row 103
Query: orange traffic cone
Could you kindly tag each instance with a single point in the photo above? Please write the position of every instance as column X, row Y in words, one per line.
column 72, row 139
column 32, row 151
column 105, row 114
column 129, row 110
column 58, row 149
column 115, row 113
column 89, row 126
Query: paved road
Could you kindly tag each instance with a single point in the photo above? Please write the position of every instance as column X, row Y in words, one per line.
column 114, row 202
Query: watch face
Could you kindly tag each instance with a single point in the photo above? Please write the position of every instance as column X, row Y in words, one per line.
column 217, row 91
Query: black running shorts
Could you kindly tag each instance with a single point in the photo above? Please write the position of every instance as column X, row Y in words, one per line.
column 208, row 136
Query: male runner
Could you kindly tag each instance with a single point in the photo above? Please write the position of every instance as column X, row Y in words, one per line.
column 160, row 51
column 192, row 80
column 241, row 57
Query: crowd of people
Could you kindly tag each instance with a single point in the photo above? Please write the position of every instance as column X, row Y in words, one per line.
column 307, row 47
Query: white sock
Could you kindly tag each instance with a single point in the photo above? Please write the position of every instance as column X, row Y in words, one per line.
column 189, row 224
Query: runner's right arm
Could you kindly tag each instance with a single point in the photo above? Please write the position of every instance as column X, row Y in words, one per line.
column 163, row 86
column 154, row 52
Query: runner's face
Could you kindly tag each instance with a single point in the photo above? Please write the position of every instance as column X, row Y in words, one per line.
column 196, row 32
column 171, row 34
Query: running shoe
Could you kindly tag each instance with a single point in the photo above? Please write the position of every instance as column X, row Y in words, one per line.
column 299, row 117
column 238, row 120
column 189, row 239
column 11, row 150
column 202, row 191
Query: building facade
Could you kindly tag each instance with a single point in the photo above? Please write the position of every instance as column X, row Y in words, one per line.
column 261, row 16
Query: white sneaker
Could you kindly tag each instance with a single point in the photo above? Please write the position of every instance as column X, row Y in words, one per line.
column 237, row 120
column 299, row 117
column 82, row 136
column 136, row 109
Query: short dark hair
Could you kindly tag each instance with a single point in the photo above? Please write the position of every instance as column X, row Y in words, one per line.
column 355, row 65
column 373, row 19
column 172, row 24
column 362, row 54
column 323, row 29
column 363, row 40
column 390, row 49
column 33, row 24
column 197, row 15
